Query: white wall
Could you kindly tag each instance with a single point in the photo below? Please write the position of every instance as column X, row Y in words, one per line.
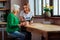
column 19, row 2
column 15, row 2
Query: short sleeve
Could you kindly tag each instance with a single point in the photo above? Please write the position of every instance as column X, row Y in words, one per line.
column 32, row 14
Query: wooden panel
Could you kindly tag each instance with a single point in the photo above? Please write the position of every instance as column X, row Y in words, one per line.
column 3, row 0
column 4, row 9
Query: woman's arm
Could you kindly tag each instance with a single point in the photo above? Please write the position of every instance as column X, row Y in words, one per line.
column 10, row 21
column 22, row 19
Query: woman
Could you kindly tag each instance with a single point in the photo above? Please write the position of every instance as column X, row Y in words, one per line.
column 13, row 24
column 26, row 16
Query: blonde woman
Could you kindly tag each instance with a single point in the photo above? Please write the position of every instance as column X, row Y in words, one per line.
column 26, row 18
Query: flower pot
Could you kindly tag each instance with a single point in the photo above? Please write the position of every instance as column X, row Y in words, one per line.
column 46, row 14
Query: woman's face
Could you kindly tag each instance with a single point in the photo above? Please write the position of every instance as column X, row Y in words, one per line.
column 26, row 8
column 16, row 11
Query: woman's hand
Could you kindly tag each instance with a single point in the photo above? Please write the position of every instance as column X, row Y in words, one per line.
column 31, row 22
column 22, row 23
column 22, row 18
column 27, row 23
column 19, row 25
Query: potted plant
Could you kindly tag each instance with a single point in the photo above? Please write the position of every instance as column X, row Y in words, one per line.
column 47, row 11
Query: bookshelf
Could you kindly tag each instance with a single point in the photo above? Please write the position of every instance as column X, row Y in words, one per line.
column 3, row 0
column 4, row 10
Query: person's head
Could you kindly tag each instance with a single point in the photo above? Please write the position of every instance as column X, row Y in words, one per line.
column 26, row 8
column 16, row 8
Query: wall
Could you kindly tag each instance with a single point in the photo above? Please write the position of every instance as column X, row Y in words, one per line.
column 15, row 2
column 19, row 2
column 55, row 21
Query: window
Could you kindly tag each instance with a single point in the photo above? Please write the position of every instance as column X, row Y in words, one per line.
column 31, row 3
column 36, row 6
column 46, row 2
column 56, row 10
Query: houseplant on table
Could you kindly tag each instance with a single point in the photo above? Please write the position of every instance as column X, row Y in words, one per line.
column 47, row 11
column 47, row 14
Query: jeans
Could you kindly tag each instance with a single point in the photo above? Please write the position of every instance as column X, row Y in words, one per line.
column 18, row 35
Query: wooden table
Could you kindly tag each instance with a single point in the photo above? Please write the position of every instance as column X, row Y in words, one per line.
column 47, row 31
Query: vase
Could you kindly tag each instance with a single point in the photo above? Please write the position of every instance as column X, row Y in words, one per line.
column 47, row 14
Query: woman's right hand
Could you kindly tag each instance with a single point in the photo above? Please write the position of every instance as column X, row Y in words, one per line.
column 22, row 23
column 27, row 23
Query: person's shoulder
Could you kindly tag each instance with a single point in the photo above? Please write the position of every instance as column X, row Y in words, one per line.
column 10, row 14
column 31, row 13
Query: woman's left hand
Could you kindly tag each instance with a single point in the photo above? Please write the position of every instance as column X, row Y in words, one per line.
column 31, row 22
column 23, row 23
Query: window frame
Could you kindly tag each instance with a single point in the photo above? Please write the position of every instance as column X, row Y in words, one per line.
column 41, row 8
column 51, row 3
column 35, row 9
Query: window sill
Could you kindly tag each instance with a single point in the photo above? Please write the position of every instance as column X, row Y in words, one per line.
column 47, row 17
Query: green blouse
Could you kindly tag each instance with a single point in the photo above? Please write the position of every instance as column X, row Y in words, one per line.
column 12, row 23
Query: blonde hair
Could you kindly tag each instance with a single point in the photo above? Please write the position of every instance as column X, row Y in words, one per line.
column 27, row 4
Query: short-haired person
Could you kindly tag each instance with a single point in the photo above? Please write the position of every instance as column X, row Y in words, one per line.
column 26, row 16
column 13, row 21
